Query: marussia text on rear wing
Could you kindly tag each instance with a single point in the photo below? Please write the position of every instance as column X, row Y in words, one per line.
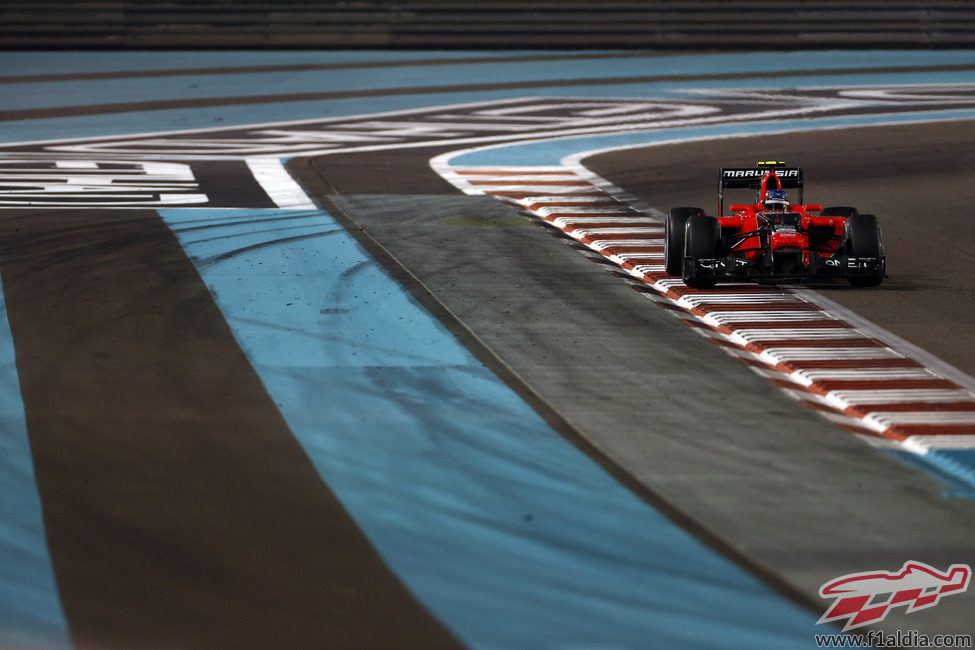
column 750, row 178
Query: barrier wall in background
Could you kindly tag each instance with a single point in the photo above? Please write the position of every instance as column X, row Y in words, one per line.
column 697, row 24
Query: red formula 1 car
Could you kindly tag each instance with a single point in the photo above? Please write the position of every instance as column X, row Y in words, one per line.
column 772, row 240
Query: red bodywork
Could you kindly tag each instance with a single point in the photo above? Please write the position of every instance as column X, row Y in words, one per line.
column 746, row 229
column 783, row 243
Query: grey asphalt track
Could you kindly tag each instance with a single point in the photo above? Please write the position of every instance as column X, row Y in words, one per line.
column 793, row 497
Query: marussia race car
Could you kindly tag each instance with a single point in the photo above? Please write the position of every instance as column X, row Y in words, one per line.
column 772, row 240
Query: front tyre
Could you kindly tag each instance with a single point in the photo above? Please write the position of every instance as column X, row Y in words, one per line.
column 674, row 238
column 863, row 239
column 702, row 239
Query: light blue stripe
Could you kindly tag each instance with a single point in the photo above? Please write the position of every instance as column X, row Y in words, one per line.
column 503, row 529
column 30, row 609
column 122, row 91
column 954, row 467
column 552, row 152
column 73, row 93
column 27, row 63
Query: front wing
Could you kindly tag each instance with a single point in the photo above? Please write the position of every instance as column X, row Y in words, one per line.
column 733, row 268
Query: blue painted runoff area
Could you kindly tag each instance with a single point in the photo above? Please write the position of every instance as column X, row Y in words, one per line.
column 30, row 611
column 555, row 150
column 503, row 529
column 953, row 467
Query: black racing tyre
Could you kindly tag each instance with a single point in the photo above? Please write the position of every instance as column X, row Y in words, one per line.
column 674, row 238
column 863, row 239
column 839, row 211
column 702, row 238
column 863, row 236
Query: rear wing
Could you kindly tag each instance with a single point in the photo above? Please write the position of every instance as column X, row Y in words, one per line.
column 751, row 178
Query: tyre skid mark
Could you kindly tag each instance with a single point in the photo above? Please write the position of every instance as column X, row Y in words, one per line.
column 850, row 377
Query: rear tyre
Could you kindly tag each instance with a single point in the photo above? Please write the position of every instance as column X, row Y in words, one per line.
column 702, row 237
column 863, row 239
column 674, row 238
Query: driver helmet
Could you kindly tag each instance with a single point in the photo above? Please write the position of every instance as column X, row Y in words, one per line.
column 775, row 201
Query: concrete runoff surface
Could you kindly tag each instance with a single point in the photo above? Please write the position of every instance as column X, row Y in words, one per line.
column 797, row 499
